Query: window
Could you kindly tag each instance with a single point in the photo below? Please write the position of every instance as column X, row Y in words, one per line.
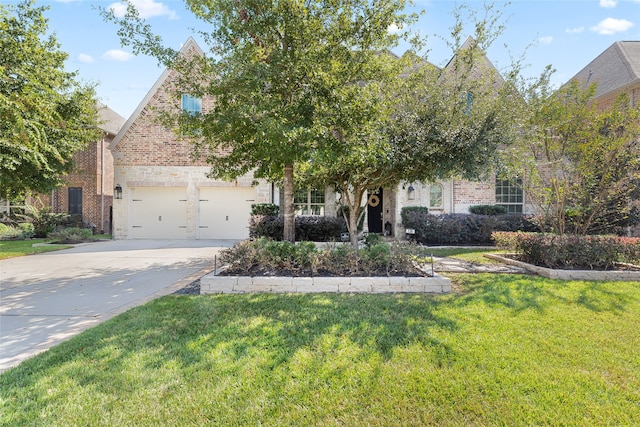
column 308, row 202
column 435, row 196
column 75, row 200
column 510, row 195
column 468, row 98
column 191, row 104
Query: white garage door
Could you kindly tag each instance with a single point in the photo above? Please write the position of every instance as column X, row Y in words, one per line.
column 224, row 212
column 159, row 213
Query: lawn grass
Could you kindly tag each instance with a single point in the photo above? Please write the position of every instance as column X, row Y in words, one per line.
column 15, row 248
column 506, row 350
column 475, row 255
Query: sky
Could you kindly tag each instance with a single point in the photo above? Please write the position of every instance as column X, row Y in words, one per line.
column 566, row 34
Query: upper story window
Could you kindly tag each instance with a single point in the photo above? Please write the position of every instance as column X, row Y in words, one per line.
column 191, row 104
column 435, row 196
column 509, row 194
column 308, row 202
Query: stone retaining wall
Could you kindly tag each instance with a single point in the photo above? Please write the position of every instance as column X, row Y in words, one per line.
column 212, row 284
column 611, row 275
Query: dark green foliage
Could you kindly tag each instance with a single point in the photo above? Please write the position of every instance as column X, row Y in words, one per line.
column 409, row 210
column 462, row 229
column 44, row 221
column 488, row 210
column 265, row 209
column 308, row 228
column 571, row 251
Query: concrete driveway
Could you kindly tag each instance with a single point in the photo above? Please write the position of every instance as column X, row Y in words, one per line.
column 48, row 298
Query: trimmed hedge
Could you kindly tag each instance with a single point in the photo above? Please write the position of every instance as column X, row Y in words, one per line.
column 308, row 228
column 488, row 210
column 570, row 252
column 461, row 229
column 265, row 209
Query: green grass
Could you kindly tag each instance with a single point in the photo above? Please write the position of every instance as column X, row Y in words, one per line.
column 466, row 254
column 15, row 248
column 506, row 350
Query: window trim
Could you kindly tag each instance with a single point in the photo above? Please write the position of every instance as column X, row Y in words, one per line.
column 308, row 204
column 514, row 190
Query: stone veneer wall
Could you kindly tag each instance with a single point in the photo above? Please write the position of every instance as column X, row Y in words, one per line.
column 192, row 178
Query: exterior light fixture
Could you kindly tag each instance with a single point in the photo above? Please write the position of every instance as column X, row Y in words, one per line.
column 411, row 191
column 117, row 192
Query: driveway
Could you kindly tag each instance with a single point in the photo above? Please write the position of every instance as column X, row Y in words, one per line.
column 48, row 298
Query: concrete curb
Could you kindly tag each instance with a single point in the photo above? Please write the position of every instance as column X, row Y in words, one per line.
column 212, row 284
column 611, row 275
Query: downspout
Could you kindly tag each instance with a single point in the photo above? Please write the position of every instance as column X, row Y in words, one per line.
column 102, row 185
column 453, row 203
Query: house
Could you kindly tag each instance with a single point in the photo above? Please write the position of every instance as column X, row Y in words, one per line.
column 161, row 191
column 615, row 71
column 87, row 191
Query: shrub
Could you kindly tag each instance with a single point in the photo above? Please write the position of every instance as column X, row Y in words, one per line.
column 44, row 221
column 308, row 228
column 488, row 210
column 265, row 209
column 71, row 235
column 461, row 229
column 22, row 231
column 570, row 251
column 264, row 256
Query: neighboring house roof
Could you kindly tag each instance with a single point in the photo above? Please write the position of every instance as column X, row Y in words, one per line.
column 110, row 121
column 617, row 67
column 189, row 45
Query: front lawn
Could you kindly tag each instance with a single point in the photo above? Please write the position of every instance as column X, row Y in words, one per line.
column 15, row 248
column 507, row 350
column 475, row 255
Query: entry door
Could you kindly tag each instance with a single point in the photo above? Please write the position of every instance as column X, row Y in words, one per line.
column 374, row 210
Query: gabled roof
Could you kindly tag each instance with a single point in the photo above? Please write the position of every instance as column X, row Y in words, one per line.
column 110, row 121
column 190, row 44
column 618, row 66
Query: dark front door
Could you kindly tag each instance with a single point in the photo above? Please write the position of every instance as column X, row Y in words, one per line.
column 374, row 210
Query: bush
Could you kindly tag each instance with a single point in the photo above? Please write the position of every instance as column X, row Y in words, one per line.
column 44, row 221
column 71, row 235
column 461, row 229
column 570, row 251
column 22, row 231
column 264, row 256
column 488, row 210
column 265, row 209
column 308, row 228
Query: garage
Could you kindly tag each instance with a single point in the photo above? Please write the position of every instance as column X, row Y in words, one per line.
column 224, row 212
column 159, row 213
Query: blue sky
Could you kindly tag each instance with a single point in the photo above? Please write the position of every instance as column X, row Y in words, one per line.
column 568, row 34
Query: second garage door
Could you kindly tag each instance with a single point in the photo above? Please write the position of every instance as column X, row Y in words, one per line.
column 224, row 212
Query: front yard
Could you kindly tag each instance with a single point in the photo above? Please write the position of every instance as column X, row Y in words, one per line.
column 504, row 350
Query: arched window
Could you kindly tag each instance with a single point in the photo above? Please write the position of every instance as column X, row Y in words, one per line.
column 435, row 196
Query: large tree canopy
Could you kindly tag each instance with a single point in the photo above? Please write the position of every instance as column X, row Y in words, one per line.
column 412, row 121
column 580, row 165
column 46, row 115
column 272, row 65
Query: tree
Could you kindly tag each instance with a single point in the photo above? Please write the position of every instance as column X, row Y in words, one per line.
column 46, row 115
column 581, row 165
column 272, row 65
column 410, row 121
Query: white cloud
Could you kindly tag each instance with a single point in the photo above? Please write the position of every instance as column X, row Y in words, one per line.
column 576, row 30
column 611, row 26
column 546, row 40
column 117, row 55
column 393, row 29
column 84, row 58
column 146, row 9
column 608, row 3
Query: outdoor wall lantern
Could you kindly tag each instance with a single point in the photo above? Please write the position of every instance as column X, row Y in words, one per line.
column 411, row 192
column 117, row 192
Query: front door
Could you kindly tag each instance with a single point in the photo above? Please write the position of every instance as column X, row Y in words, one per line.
column 374, row 210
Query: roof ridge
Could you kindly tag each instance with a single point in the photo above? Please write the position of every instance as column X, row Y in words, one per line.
column 632, row 66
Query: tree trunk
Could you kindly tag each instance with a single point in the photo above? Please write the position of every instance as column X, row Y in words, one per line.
column 353, row 225
column 289, row 232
